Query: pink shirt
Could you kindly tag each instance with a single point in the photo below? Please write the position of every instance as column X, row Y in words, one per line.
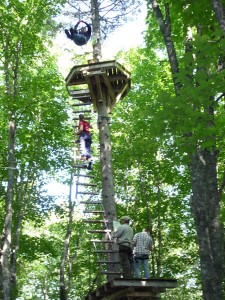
column 86, row 126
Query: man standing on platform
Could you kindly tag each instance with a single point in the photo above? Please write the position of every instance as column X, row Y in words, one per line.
column 124, row 236
column 142, row 242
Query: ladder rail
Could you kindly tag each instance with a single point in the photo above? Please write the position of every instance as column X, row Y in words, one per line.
column 87, row 196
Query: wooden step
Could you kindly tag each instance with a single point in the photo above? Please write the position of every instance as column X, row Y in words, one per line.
column 82, row 111
column 111, row 273
column 81, row 104
column 95, row 221
column 88, row 193
column 84, row 175
column 86, row 184
column 83, row 99
column 91, row 202
column 93, row 212
column 105, row 251
column 108, row 262
column 80, row 93
column 102, row 241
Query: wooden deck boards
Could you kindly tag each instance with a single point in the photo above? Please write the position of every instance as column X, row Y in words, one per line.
column 126, row 289
column 87, row 83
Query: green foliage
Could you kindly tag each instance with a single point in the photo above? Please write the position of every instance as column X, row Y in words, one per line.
column 153, row 133
column 161, row 130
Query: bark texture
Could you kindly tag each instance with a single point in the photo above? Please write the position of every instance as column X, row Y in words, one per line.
column 205, row 205
column 97, row 51
column 108, row 193
column 220, row 13
column 11, row 91
column 205, row 200
column 63, row 289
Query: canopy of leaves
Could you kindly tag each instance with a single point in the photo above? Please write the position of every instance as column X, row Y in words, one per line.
column 149, row 138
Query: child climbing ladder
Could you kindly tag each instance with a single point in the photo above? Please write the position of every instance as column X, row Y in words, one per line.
column 85, row 140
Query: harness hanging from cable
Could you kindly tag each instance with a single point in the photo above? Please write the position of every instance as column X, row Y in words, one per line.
column 80, row 35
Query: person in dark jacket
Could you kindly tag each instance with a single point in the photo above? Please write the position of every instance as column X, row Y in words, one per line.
column 79, row 36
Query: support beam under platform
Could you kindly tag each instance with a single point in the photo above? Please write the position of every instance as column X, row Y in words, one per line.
column 126, row 289
column 87, row 83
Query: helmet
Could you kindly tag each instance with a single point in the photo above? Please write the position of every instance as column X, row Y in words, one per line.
column 80, row 39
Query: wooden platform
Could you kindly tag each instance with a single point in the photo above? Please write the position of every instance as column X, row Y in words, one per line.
column 127, row 289
column 89, row 82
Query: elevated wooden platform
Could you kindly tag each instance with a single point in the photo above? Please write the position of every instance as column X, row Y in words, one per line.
column 127, row 289
column 92, row 82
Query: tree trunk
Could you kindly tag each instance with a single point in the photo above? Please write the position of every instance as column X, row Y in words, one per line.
column 220, row 13
column 106, row 162
column 159, row 227
column 11, row 88
column 63, row 292
column 7, row 230
column 23, row 196
column 97, row 52
column 108, row 192
column 205, row 205
column 165, row 28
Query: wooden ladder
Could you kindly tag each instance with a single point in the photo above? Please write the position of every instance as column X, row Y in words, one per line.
column 93, row 209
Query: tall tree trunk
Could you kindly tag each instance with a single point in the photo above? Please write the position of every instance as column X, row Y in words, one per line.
column 63, row 292
column 97, row 52
column 159, row 225
column 108, row 192
column 106, row 161
column 23, row 196
column 220, row 13
column 205, row 202
column 205, row 205
column 165, row 28
column 7, row 229
column 145, row 197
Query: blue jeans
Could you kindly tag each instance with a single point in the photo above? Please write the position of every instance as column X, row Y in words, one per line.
column 85, row 145
column 138, row 263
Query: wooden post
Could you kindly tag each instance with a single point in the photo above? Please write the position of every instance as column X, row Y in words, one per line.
column 108, row 192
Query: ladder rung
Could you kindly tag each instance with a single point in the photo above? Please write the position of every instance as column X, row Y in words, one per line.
column 84, row 175
column 88, row 193
column 111, row 272
column 81, row 104
column 100, row 231
column 86, row 184
column 93, row 211
column 91, row 202
column 108, row 262
column 84, row 99
column 81, row 111
column 96, row 221
column 80, row 93
column 103, row 241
